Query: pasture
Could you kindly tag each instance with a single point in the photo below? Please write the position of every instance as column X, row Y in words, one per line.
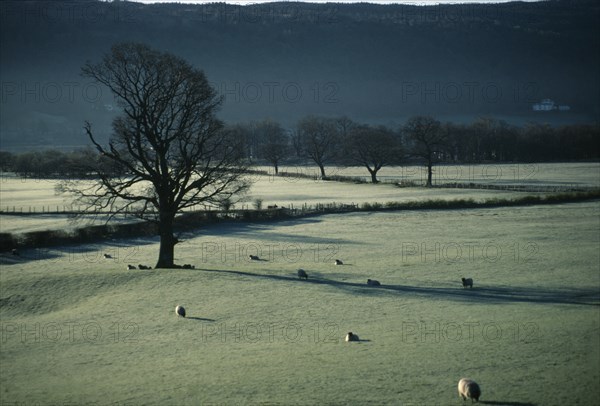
column 80, row 329
column 39, row 195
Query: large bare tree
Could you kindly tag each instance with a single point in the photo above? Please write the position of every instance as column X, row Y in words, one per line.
column 168, row 143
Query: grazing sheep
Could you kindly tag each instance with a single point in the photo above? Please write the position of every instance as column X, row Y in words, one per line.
column 351, row 337
column 338, row 262
column 140, row 266
column 302, row 274
column 467, row 282
column 373, row 282
column 130, row 267
column 15, row 252
column 188, row 266
column 107, row 256
column 272, row 207
column 180, row 311
column 468, row 388
column 253, row 257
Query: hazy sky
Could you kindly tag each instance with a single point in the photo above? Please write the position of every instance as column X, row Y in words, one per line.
column 415, row 2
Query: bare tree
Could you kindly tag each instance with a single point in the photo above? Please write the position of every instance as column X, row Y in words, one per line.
column 319, row 139
column 373, row 148
column 344, row 125
column 427, row 139
column 168, row 142
column 274, row 143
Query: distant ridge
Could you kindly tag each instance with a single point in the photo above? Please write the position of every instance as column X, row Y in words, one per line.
column 285, row 60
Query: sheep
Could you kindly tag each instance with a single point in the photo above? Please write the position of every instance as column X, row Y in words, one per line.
column 140, row 266
column 302, row 274
column 188, row 266
column 272, row 207
column 130, row 267
column 180, row 311
column 107, row 256
column 351, row 337
column 339, row 262
column 253, row 257
column 468, row 388
column 467, row 282
column 373, row 282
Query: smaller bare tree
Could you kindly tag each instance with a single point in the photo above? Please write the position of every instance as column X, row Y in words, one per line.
column 428, row 141
column 373, row 148
column 273, row 143
column 319, row 138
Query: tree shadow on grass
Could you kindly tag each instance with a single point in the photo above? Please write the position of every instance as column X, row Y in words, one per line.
column 571, row 296
column 118, row 249
column 265, row 231
column 500, row 403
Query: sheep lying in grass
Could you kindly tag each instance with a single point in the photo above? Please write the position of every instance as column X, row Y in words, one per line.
column 253, row 257
column 373, row 282
column 351, row 337
column 107, row 256
column 467, row 282
column 140, row 266
column 130, row 267
column 302, row 274
column 339, row 262
column 188, row 266
column 468, row 388
column 180, row 311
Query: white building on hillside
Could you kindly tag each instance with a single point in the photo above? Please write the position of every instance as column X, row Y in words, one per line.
column 549, row 105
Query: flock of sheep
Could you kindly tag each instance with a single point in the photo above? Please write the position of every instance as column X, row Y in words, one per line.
column 467, row 388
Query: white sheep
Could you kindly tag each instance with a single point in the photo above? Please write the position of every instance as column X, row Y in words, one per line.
column 351, row 337
column 467, row 282
column 180, row 311
column 468, row 388
column 339, row 262
column 302, row 274
column 373, row 282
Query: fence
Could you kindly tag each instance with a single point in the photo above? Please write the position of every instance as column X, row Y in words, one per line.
column 303, row 209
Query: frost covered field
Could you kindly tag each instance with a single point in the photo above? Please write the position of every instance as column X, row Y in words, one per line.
column 80, row 329
column 25, row 195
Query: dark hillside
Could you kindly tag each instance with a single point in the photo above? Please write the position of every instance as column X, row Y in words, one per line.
column 373, row 63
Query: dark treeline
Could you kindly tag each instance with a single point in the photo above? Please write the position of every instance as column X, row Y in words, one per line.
column 341, row 141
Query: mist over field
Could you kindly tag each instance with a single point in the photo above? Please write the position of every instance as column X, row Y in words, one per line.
column 376, row 64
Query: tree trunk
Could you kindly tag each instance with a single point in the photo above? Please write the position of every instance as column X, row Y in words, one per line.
column 276, row 166
column 429, row 171
column 373, row 173
column 166, row 256
column 322, row 168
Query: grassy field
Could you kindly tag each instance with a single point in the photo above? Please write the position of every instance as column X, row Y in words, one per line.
column 39, row 195
column 80, row 329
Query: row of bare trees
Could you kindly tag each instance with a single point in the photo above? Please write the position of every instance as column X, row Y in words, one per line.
column 422, row 139
column 341, row 141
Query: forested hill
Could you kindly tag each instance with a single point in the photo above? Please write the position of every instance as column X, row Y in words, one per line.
column 373, row 63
